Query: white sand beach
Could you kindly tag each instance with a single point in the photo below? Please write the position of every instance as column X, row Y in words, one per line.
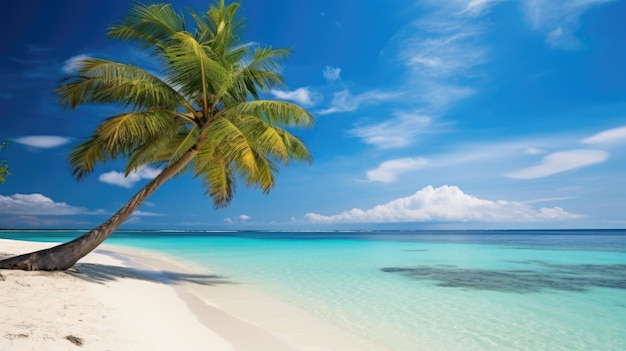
column 121, row 299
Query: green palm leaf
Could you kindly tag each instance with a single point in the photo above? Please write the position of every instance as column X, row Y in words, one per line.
column 150, row 25
column 278, row 113
column 102, row 82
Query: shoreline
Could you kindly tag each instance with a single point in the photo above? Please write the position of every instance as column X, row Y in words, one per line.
column 119, row 298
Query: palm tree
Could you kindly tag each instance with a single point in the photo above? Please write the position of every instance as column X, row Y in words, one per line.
column 203, row 114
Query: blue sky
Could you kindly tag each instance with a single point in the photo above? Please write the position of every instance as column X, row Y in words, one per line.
column 460, row 114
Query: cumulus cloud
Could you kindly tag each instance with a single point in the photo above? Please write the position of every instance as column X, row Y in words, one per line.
column 558, row 20
column 301, row 96
column 446, row 203
column 332, row 73
column 388, row 171
column 394, row 133
column 42, row 141
column 344, row 101
column 609, row 136
column 560, row 162
column 38, row 204
column 119, row 179
column 71, row 65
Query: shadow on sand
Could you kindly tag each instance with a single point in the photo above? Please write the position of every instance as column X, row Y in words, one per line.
column 102, row 273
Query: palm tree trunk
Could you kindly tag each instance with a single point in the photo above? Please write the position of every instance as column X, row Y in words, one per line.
column 64, row 256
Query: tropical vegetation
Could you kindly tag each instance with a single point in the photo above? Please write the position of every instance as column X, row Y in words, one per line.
column 4, row 166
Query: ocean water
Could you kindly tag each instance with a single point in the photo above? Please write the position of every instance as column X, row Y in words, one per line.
column 440, row 290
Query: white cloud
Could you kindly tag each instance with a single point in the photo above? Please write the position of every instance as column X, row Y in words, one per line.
column 344, row 101
column 38, row 204
column 443, row 54
column 560, row 162
column 394, row 133
column 239, row 219
column 446, row 203
column 44, row 221
column 609, row 136
column 301, row 96
column 440, row 54
column 439, row 96
column 558, row 20
column 71, row 65
column 462, row 8
column 42, row 141
column 556, row 36
column 138, row 213
column 478, row 7
column 332, row 73
column 119, row 179
column 443, row 47
column 534, row 151
column 548, row 199
column 388, row 171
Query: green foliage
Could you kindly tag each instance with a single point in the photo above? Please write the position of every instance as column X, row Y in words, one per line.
column 4, row 166
column 205, row 101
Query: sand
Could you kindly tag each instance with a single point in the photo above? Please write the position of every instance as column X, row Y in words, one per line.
column 121, row 299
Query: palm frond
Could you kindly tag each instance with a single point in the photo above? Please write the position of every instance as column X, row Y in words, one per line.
column 203, row 33
column 151, row 25
column 143, row 137
column 264, row 171
column 225, row 25
column 85, row 156
column 262, row 136
column 271, row 141
column 236, row 147
column 194, row 68
column 136, row 128
column 153, row 152
column 101, row 82
column 268, row 60
column 216, row 174
column 258, row 75
column 163, row 150
column 273, row 112
column 250, row 146
column 184, row 141
column 295, row 147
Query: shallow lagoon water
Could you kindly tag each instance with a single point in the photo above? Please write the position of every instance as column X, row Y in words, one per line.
column 457, row 290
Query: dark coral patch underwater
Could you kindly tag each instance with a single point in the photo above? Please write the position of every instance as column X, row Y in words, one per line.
column 565, row 277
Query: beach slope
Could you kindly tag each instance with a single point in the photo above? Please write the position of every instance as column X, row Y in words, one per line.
column 122, row 299
column 101, row 304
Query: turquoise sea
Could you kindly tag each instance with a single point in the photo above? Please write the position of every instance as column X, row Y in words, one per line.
column 425, row 290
